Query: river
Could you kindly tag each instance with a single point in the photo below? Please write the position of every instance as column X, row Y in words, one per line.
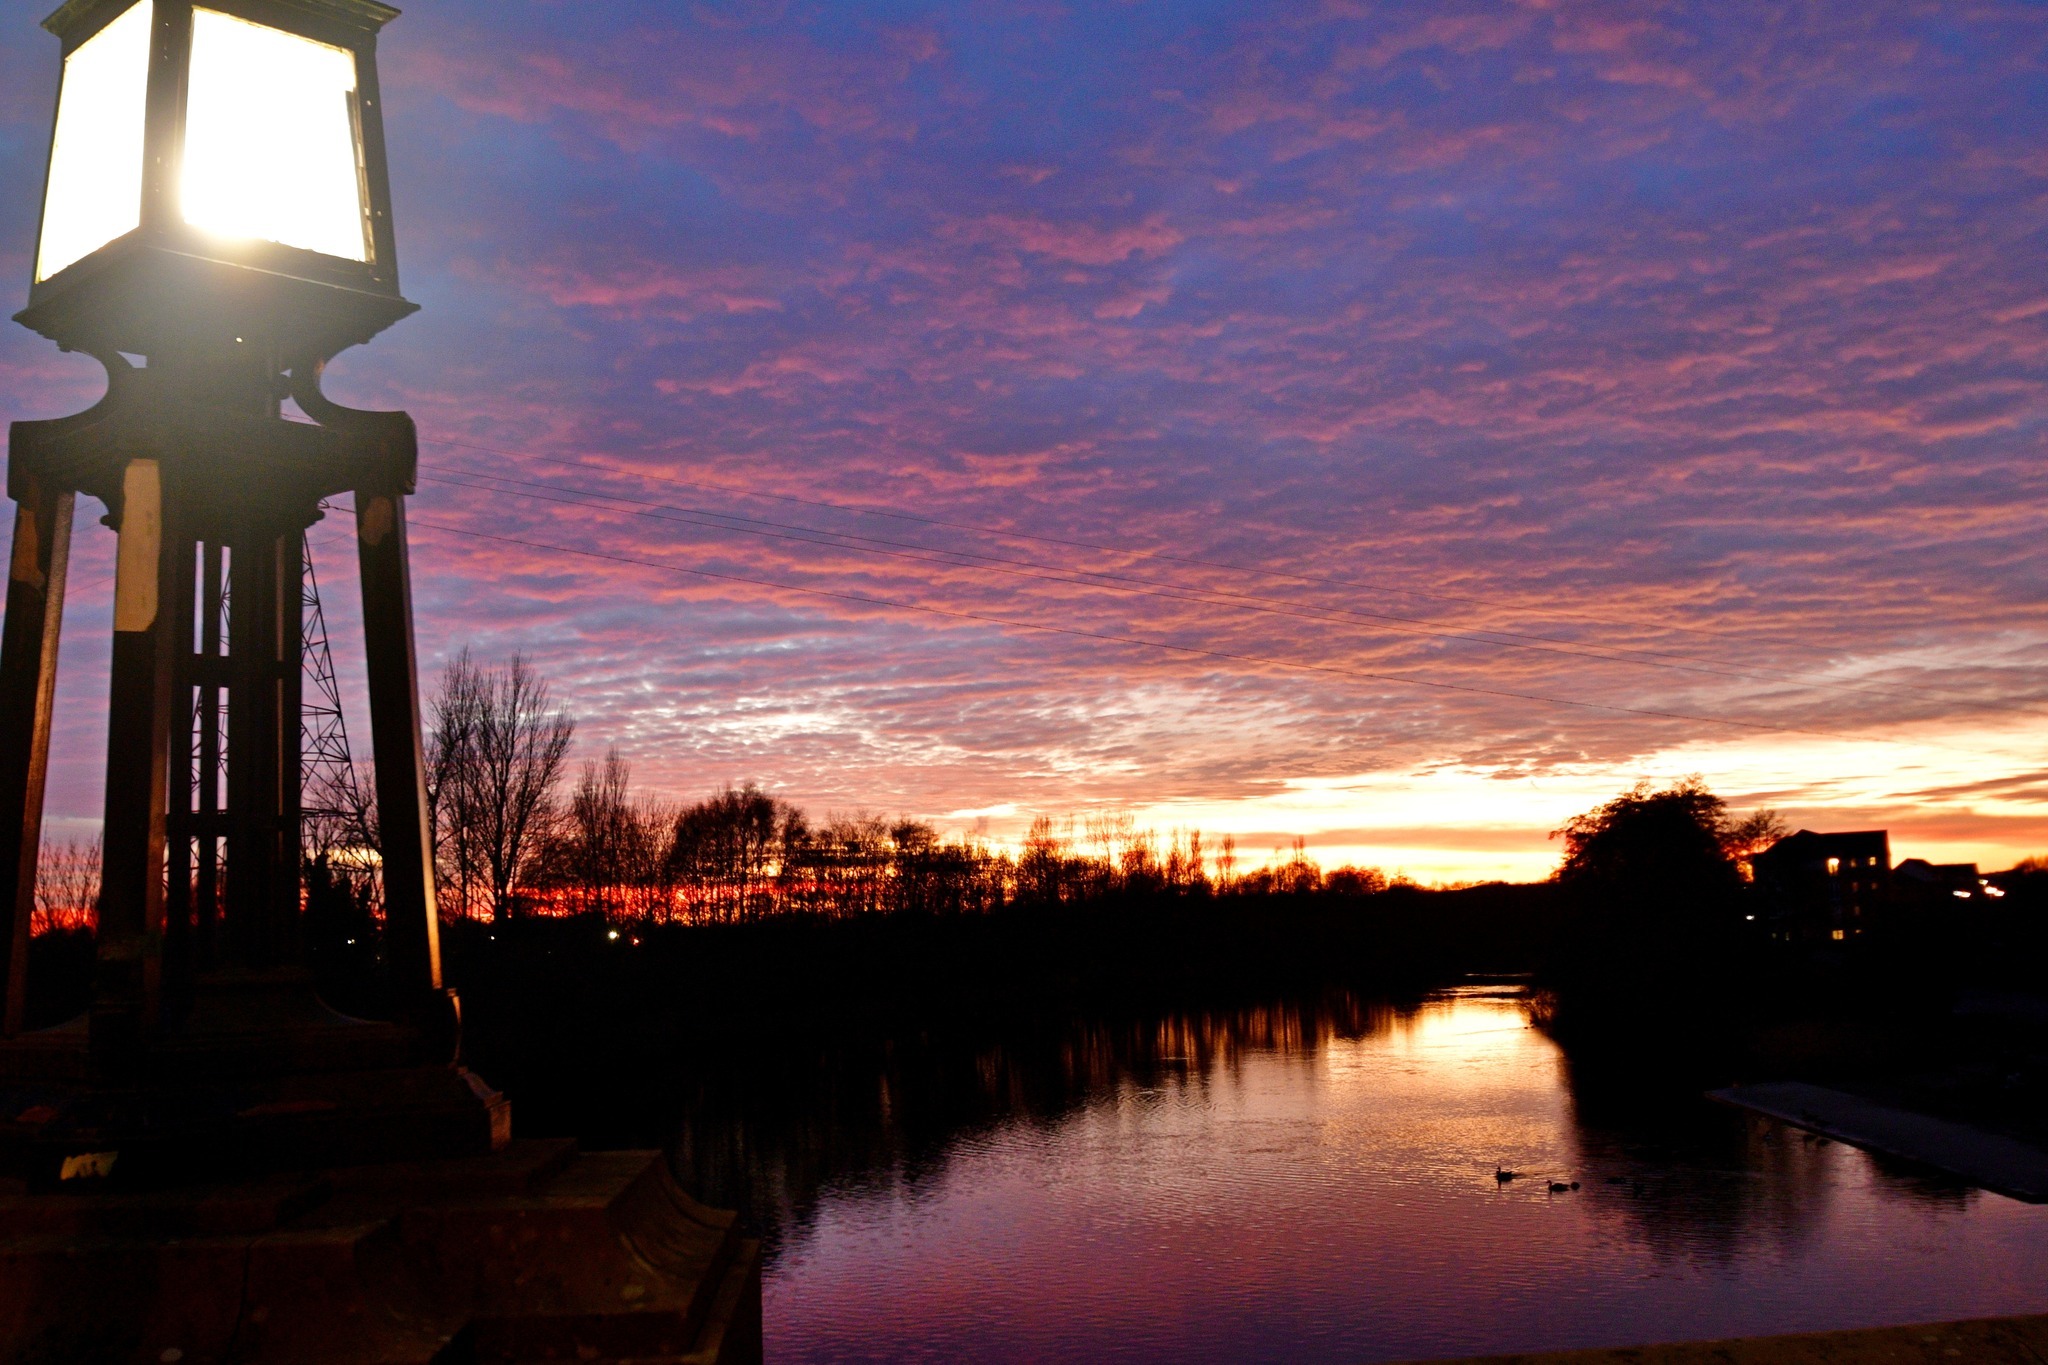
column 1318, row 1184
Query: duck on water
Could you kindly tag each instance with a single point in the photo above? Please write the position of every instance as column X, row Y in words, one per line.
column 1502, row 1175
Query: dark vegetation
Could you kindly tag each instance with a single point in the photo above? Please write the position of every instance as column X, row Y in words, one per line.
column 777, row 1056
column 800, row 988
column 625, row 960
column 1658, row 909
column 1668, row 960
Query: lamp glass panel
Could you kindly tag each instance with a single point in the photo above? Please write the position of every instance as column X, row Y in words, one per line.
column 95, row 191
column 271, row 138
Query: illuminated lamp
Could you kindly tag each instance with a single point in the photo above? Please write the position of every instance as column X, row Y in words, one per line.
column 217, row 178
column 217, row 206
column 216, row 227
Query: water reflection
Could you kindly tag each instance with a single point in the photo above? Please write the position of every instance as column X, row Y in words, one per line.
column 766, row 1131
column 1696, row 1182
column 1307, row 1180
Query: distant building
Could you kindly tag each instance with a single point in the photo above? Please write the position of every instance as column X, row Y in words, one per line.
column 1824, row 887
column 1921, row 885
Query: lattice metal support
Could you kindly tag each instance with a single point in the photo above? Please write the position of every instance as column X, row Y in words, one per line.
column 334, row 805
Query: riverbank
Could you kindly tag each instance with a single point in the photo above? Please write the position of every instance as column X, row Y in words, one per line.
column 1991, row 1161
column 1981, row 1341
column 564, row 1015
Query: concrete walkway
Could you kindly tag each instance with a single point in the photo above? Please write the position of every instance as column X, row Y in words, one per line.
column 1999, row 1164
column 1984, row 1341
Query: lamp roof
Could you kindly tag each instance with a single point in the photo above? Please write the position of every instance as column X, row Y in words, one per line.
column 364, row 14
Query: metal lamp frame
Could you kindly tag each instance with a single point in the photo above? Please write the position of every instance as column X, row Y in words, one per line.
column 167, row 284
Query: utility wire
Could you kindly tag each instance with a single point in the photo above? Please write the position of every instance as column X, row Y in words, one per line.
column 1127, row 551
column 1105, row 637
column 70, row 587
column 1124, row 583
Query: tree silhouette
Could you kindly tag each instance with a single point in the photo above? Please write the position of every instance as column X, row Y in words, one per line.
column 1654, row 878
column 67, row 886
column 610, row 853
column 1669, row 845
column 1751, row 835
column 726, row 847
column 494, row 760
column 502, row 841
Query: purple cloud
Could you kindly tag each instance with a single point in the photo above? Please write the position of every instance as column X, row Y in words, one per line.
column 1705, row 345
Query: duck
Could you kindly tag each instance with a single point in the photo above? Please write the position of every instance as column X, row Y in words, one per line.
column 1502, row 1174
column 1563, row 1187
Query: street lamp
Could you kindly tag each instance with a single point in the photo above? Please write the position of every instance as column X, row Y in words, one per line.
column 216, row 227
column 217, row 178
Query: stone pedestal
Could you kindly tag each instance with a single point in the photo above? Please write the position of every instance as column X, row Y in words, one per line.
column 259, row 1076
column 532, row 1253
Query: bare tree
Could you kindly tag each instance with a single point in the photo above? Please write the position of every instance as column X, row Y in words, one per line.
column 1226, row 864
column 1045, row 869
column 724, row 847
column 1290, row 871
column 339, row 833
column 451, row 752
column 1752, row 834
column 610, row 848
column 855, row 853
column 606, row 853
column 1352, row 880
column 1113, row 833
column 67, row 886
column 520, row 749
column 495, row 759
column 931, row 876
column 1185, row 870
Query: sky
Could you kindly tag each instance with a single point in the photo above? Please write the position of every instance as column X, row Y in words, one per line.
column 1398, row 425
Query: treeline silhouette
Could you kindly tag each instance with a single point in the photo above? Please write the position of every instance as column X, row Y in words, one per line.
column 573, row 1015
column 514, row 838
column 1651, row 902
column 742, row 855
column 518, row 842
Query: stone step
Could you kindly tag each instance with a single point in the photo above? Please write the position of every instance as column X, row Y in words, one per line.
column 533, row 1253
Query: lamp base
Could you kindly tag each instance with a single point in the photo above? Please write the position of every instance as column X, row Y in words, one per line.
column 260, row 1077
column 143, row 294
column 536, row 1252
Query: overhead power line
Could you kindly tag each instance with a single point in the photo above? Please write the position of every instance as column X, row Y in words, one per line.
column 104, row 579
column 1132, row 585
column 1399, row 680
column 1278, row 575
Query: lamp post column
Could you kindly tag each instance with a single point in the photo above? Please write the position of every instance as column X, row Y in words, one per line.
column 130, row 950
column 179, row 824
column 28, row 684
column 206, row 880
column 263, row 746
column 412, row 927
